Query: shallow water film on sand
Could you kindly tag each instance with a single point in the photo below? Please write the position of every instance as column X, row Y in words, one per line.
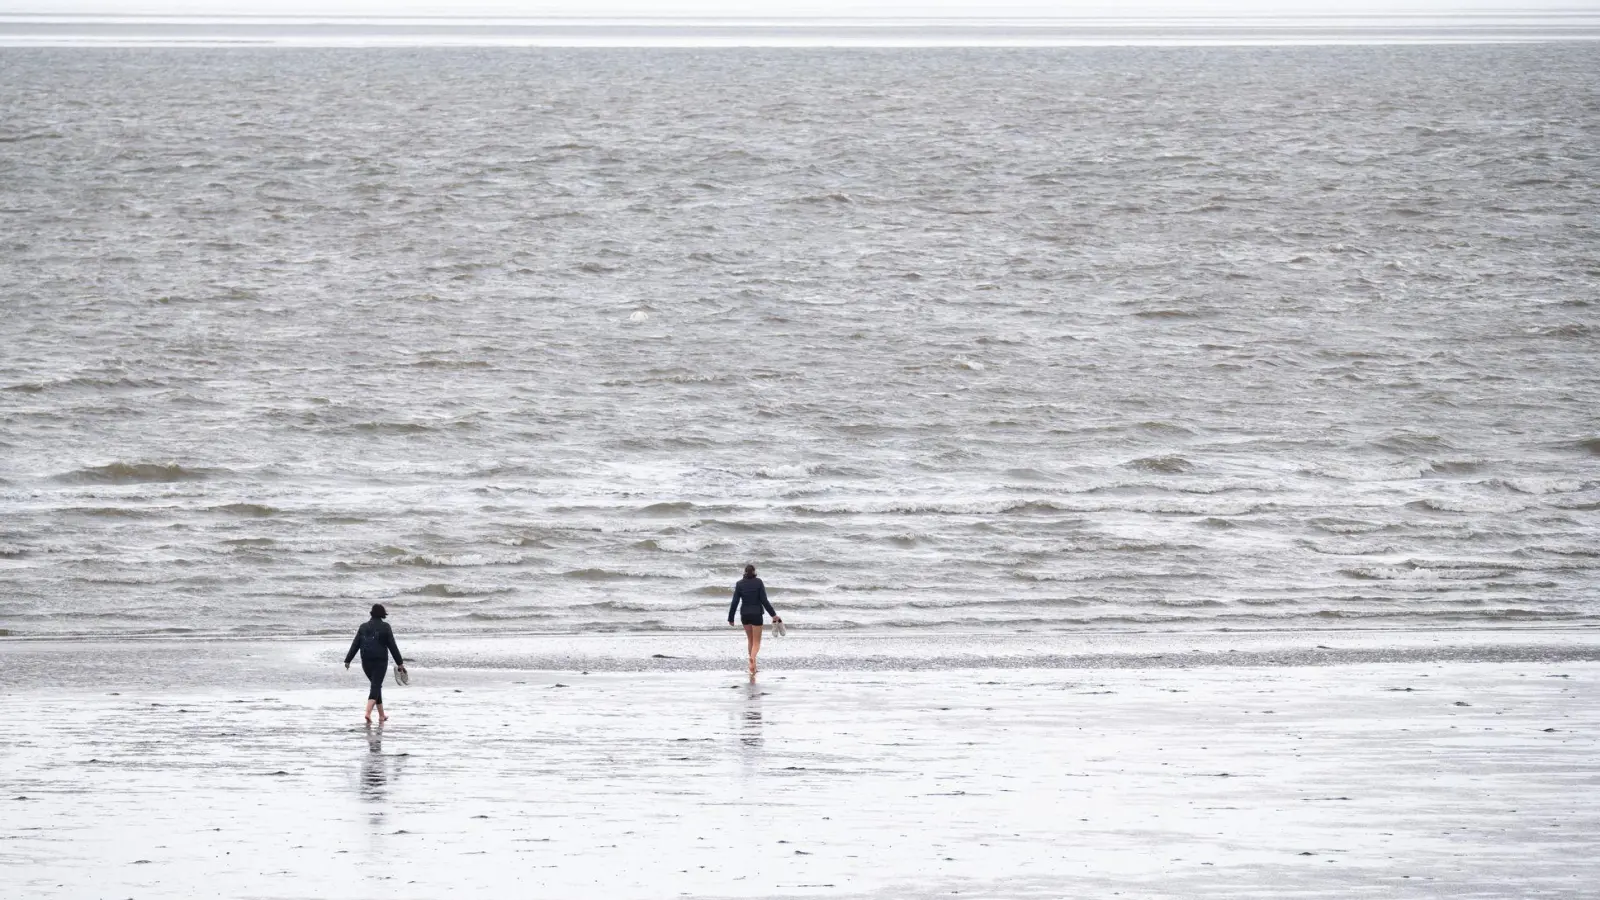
column 1160, row 770
column 516, row 340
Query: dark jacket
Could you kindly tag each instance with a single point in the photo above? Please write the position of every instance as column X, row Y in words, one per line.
column 373, row 638
column 753, row 593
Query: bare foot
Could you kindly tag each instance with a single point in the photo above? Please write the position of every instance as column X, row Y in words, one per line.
column 368, row 720
column 383, row 717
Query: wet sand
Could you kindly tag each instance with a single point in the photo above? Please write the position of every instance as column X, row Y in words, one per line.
column 1151, row 766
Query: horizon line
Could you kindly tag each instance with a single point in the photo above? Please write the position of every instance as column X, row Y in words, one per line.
column 41, row 30
column 1139, row 15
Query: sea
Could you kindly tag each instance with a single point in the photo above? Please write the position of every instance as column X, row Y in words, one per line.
column 1130, row 335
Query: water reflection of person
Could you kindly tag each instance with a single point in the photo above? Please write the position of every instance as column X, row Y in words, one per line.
column 374, row 769
column 379, row 771
column 750, row 738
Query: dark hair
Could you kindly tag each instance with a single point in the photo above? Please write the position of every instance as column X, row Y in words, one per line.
column 378, row 612
column 749, row 571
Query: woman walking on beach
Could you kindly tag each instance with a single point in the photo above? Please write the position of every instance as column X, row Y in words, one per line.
column 749, row 599
column 375, row 641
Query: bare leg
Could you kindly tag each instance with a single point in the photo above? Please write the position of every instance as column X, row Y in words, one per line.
column 370, row 705
column 382, row 716
column 755, row 646
column 750, row 646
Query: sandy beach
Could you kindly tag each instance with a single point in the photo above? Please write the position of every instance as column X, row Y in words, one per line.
column 1323, row 765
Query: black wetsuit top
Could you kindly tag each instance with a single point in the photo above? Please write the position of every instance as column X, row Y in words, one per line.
column 374, row 640
column 753, row 594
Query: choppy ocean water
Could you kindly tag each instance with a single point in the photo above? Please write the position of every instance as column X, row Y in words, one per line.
column 551, row 340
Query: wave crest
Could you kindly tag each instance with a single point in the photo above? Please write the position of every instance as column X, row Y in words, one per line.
column 135, row 473
column 1162, row 465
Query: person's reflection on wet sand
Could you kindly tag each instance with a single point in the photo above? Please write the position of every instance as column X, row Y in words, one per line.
column 750, row 739
column 375, row 774
column 377, row 771
column 374, row 768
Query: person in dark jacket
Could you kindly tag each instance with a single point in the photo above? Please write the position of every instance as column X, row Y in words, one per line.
column 375, row 641
column 749, row 600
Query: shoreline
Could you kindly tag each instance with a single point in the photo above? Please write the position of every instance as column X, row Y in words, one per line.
column 872, row 633
column 313, row 662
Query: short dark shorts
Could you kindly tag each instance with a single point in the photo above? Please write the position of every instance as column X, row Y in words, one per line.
column 751, row 620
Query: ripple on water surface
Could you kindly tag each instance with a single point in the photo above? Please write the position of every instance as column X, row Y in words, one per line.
column 1118, row 338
